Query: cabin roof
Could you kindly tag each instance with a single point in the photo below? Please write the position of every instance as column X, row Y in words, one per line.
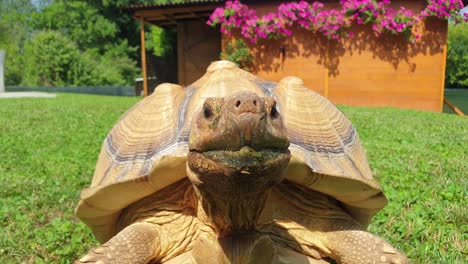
column 186, row 3
column 167, row 14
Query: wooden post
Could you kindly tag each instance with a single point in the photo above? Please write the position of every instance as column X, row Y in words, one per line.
column 453, row 107
column 143, row 56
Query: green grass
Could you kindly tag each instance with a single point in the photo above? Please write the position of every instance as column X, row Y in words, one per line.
column 48, row 150
column 458, row 97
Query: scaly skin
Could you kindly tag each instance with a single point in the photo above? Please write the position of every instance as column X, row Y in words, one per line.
column 137, row 243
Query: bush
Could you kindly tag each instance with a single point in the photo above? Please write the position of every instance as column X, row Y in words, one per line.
column 239, row 53
column 457, row 56
column 161, row 41
column 114, row 67
column 13, row 61
column 13, row 64
column 51, row 59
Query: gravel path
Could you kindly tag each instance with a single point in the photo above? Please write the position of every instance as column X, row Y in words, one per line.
column 27, row 95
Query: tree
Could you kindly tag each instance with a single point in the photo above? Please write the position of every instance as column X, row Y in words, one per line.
column 15, row 16
column 52, row 59
column 104, row 36
column 457, row 56
column 80, row 22
column 161, row 41
column 5, row 35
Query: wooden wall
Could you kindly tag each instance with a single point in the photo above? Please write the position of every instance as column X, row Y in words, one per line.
column 363, row 70
column 197, row 46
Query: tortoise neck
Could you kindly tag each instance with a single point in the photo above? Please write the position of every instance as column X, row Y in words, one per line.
column 235, row 214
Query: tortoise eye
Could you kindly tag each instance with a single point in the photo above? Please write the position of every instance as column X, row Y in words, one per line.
column 274, row 113
column 207, row 112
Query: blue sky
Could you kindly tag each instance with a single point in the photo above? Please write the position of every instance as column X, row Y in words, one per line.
column 464, row 10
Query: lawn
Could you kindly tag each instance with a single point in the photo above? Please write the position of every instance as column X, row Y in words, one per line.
column 48, row 150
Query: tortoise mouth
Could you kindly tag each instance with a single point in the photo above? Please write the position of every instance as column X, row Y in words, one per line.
column 245, row 160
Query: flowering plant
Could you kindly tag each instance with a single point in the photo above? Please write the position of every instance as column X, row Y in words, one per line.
column 331, row 23
column 239, row 53
column 364, row 11
column 232, row 16
column 445, row 9
column 396, row 22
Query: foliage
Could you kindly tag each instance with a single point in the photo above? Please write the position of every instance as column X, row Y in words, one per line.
column 128, row 27
column 457, row 56
column 445, row 9
column 79, row 21
column 161, row 41
column 104, row 55
column 49, row 148
column 330, row 22
column 13, row 64
column 113, row 67
column 5, row 34
column 238, row 53
column 106, row 37
column 51, row 59
column 15, row 16
column 396, row 22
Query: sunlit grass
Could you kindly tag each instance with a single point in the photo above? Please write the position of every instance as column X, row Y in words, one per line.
column 49, row 147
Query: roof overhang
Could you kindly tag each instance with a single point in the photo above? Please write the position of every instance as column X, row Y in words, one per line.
column 167, row 15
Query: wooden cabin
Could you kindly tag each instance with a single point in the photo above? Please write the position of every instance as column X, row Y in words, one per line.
column 360, row 71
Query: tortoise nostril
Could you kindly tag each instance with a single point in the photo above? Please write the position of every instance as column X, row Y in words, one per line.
column 255, row 102
column 274, row 112
column 238, row 103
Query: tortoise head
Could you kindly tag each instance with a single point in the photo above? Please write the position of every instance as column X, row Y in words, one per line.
column 238, row 145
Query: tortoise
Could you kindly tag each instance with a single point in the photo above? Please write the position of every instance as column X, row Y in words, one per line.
column 234, row 169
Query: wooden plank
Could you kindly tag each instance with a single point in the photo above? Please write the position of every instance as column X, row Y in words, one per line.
column 170, row 18
column 143, row 56
column 453, row 107
column 202, row 45
column 165, row 11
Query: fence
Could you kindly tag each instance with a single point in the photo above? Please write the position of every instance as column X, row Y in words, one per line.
column 101, row 90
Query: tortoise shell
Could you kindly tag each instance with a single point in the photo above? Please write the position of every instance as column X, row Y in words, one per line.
column 147, row 149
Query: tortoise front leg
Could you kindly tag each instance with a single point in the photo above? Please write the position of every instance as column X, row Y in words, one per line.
column 353, row 246
column 137, row 243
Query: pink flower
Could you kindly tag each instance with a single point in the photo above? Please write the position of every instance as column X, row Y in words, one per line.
column 311, row 16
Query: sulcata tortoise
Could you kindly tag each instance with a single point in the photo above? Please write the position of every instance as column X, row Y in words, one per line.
column 234, row 169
